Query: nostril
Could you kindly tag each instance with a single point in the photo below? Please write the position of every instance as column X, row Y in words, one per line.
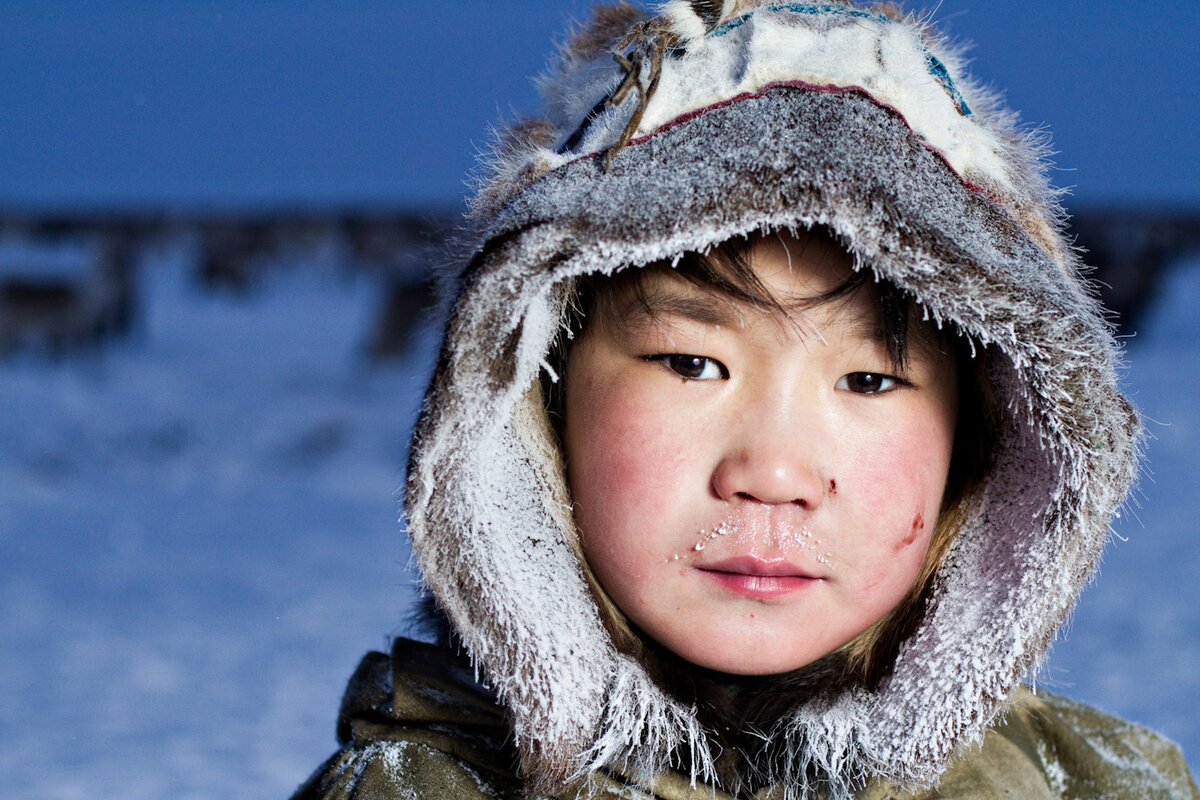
column 801, row 502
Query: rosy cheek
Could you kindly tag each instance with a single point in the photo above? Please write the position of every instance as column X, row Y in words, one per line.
column 622, row 460
column 895, row 494
column 902, row 470
column 626, row 458
column 895, row 487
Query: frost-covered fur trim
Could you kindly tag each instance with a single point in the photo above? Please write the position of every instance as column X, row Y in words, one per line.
column 487, row 500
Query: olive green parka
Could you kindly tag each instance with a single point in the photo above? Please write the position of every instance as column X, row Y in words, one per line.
column 416, row 725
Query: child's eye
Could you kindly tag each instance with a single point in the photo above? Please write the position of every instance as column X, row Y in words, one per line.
column 693, row 368
column 867, row 383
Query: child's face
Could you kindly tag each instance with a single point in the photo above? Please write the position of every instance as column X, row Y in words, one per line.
column 753, row 492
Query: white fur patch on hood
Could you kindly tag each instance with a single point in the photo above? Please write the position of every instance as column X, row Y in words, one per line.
column 763, row 117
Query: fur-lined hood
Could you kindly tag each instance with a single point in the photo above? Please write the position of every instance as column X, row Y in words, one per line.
column 738, row 118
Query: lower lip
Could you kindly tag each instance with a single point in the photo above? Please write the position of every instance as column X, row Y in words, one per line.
column 759, row 585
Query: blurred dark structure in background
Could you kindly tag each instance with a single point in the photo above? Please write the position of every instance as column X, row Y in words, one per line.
column 1130, row 250
column 69, row 282
column 64, row 290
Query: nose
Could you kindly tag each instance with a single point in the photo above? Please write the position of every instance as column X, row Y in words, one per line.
column 773, row 464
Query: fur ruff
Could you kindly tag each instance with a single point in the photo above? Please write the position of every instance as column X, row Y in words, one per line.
column 971, row 230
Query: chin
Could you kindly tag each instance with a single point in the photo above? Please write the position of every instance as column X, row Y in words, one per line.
column 749, row 659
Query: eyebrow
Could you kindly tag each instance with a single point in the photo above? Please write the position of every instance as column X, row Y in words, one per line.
column 706, row 308
column 710, row 308
column 867, row 327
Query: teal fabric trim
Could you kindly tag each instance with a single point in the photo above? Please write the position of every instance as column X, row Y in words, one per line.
column 942, row 75
column 799, row 8
column 935, row 67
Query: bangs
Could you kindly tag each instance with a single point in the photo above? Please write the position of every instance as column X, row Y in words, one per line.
column 725, row 272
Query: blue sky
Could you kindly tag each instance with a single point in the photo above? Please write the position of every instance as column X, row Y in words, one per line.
column 230, row 103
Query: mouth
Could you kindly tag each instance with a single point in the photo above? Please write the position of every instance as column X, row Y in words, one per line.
column 759, row 578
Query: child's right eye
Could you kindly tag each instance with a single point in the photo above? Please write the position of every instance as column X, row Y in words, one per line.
column 692, row 368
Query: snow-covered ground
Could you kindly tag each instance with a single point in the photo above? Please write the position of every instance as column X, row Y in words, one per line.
column 198, row 540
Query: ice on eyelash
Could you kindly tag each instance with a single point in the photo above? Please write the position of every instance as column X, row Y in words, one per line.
column 756, row 534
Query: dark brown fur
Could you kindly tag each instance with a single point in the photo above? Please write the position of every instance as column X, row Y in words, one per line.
column 607, row 26
column 709, row 12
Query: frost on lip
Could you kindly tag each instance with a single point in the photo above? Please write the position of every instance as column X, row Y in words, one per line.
column 757, row 541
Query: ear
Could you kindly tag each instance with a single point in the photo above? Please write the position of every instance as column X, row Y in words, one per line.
column 692, row 19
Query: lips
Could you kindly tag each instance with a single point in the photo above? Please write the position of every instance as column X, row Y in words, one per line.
column 758, row 578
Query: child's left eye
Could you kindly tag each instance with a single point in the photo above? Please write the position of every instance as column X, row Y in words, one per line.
column 693, row 368
column 867, row 383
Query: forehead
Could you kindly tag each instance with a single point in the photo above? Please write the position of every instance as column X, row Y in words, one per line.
column 799, row 267
column 788, row 277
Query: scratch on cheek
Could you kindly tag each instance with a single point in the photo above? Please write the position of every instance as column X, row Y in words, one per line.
column 832, row 486
column 918, row 525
